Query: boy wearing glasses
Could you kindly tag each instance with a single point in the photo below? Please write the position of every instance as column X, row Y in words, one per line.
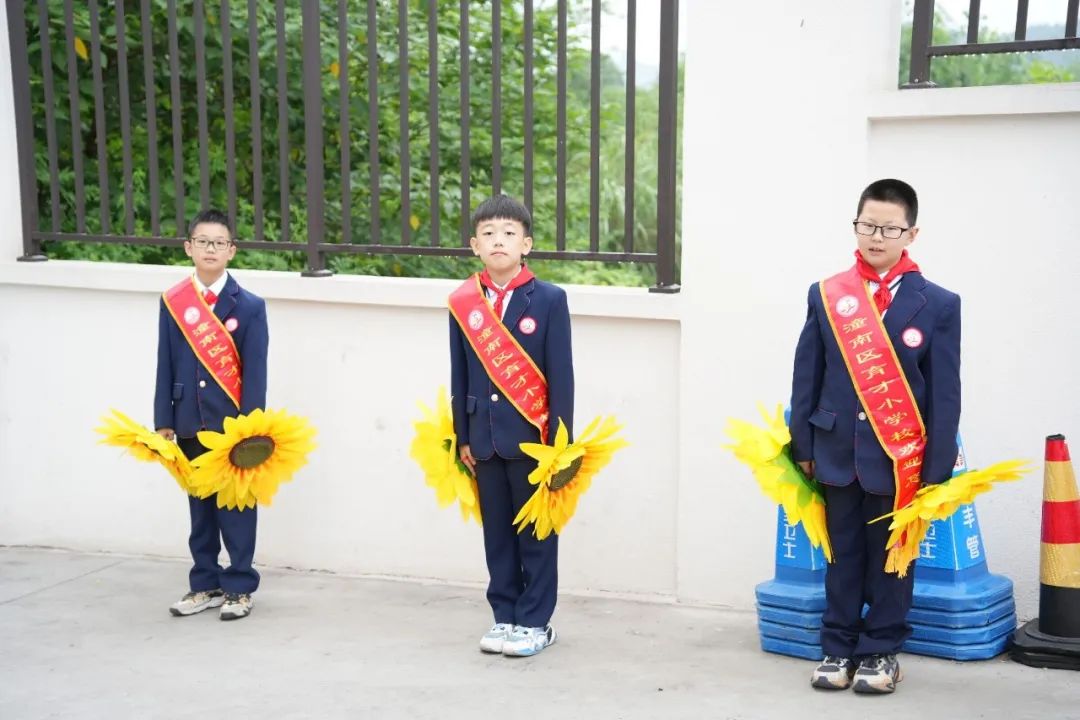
column 875, row 407
column 212, row 342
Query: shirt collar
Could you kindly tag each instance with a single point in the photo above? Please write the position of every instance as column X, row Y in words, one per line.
column 217, row 287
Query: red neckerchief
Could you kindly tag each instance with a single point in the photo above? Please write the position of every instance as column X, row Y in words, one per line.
column 524, row 276
column 883, row 296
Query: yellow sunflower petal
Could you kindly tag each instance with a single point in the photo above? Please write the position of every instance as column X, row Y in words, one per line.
column 434, row 448
column 910, row 523
column 251, row 457
column 555, row 500
column 144, row 444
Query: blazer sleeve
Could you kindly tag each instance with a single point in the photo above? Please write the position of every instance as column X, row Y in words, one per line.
column 807, row 378
column 559, row 362
column 253, row 351
column 163, row 405
column 459, row 381
column 941, row 368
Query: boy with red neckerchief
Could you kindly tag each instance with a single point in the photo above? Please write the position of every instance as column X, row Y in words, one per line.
column 875, row 408
column 512, row 381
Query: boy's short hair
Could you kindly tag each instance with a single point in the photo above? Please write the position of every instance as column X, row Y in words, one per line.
column 892, row 191
column 211, row 215
column 502, row 207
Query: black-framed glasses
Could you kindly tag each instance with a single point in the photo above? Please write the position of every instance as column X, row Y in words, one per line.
column 203, row 241
column 889, row 232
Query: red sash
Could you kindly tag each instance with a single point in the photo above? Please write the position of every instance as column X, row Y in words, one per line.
column 506, row 362
column 878, row 378
column 211, row 342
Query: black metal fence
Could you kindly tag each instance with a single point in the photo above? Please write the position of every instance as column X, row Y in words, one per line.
column 483, row 125
column 923, row 51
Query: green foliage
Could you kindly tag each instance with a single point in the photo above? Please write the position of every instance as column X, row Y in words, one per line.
column 283, row 162
column 973, row 70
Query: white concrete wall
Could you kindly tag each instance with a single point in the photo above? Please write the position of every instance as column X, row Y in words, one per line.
column 789, row 135
column 355, row 362
column 779, row 141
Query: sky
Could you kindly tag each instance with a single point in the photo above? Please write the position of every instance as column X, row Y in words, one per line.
column 1001, row 14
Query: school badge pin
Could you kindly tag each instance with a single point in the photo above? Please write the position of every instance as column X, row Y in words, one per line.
column 912, row 337
column 847, row 306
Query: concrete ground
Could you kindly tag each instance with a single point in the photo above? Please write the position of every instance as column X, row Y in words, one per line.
column 89, row 636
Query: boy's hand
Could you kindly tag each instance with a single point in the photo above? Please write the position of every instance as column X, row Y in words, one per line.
column 167, row 433
column 467, row 458
column 807, row 468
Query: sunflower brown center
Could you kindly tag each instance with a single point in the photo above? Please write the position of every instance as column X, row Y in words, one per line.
column 251, row 452
column 562, row 478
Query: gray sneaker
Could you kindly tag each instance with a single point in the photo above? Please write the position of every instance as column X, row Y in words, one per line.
column 834, row 673
column 877, row 674
column 496, row 637
column 196, row 602
column 236, row 606
column 528, row 641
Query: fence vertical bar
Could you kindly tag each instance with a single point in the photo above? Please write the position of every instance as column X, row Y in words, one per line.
column 375, row 223
column 529, row 108
column 403, row 120
column 668, row 130
column 177, row 137
column 434, row 207
column 75, row 116
column 594, row 131
column 200, row 101
column 125, row 117
column 24, row 130
column 466, row 179
column 922, row 28
column 230, row 109
column 631, row 117
column 256, row 118
column 149, row 91
column 344, row 130
column 104, row 209
column 315, row 178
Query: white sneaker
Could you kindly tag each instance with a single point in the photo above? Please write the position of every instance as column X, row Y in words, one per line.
column 493, row 639
column 196, row 602
column 526, row 641
column 236, row 606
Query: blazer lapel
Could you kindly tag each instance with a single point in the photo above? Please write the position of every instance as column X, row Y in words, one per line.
column 227, row 300
column 908, row 301
column 519, row 302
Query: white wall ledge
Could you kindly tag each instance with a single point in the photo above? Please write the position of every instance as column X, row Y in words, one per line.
column 1047, row 99
column 585, row 300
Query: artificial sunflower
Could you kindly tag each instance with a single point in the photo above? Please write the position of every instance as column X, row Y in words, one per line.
column 767, row 452
column 564, row 472
column 938, row 502
column 435, row 450
column 247, row 461
column 146, row 445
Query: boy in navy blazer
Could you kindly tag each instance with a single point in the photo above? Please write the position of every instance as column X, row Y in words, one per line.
column 871, row 424
column 194, row 395
column 495, row 410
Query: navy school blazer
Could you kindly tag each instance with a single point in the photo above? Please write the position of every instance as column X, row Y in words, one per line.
column 483, row 418
column 829, row 426
column 187, row 398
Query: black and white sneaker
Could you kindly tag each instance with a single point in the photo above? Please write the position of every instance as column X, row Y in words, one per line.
column 196, row 602
column 834, row 673
column 878, row 674
column 236, row 606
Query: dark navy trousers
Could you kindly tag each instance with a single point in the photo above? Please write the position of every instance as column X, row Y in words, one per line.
column 857, row 576
column 209, row 526
column 523, row 571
